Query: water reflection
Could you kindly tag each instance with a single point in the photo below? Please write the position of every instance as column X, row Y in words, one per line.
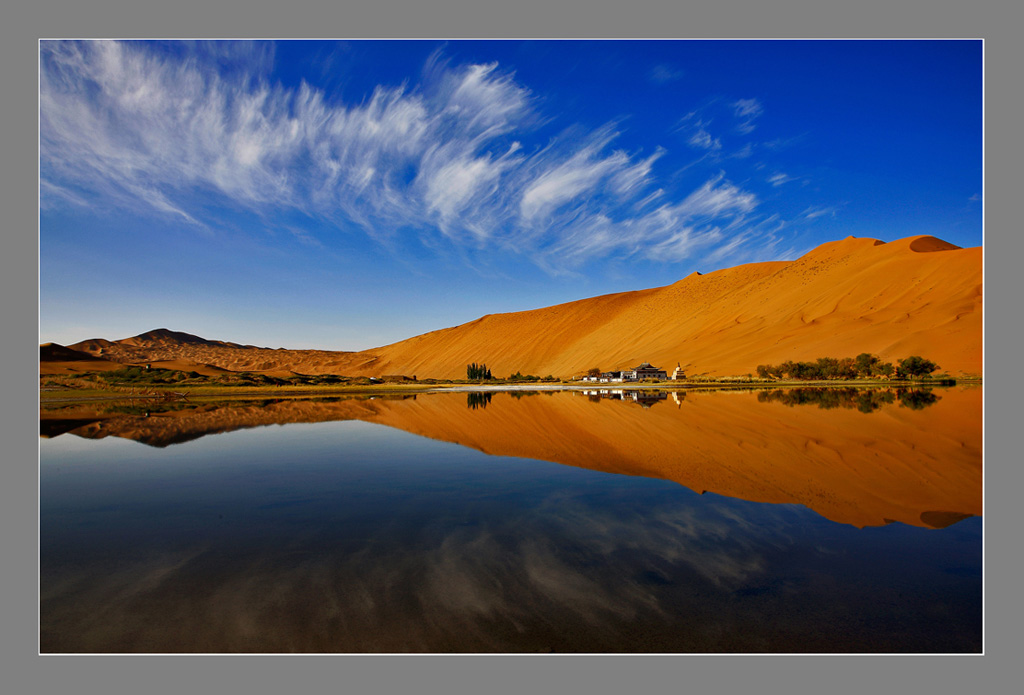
column 476, row 399
column 644, row 399
column 864, row 400
column 334, row 534
column 900, row 464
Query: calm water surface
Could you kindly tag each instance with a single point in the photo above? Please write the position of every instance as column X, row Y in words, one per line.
column 362, row 526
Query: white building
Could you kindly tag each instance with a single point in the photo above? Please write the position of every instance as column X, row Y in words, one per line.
column 644, row 371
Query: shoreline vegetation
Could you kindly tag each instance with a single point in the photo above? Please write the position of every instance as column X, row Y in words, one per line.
column 864, row 365
column 138, row 382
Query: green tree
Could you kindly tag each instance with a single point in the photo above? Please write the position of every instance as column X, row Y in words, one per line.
column 867, row 365
column 477, row 372
column 882, row 369
column 847, row 369
column 916, row 365
column 827, row 367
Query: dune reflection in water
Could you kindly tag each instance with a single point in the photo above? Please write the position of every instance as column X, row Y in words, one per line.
column 352, row 538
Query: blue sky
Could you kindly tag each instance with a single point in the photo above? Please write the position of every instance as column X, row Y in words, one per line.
column 348, row 194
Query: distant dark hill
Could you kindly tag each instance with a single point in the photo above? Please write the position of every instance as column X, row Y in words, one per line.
column 163, row 337
column 93, row 346
column 186, row 351
column 58, row 359
column 54, row 352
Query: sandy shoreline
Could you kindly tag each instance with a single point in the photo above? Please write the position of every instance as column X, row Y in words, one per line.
column 213, row 393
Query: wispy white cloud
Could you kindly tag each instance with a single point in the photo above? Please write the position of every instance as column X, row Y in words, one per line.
column 752, row 243
column 564, row 181
column 812, row 213
column 717, row 197
column 744, row 152
column 633, row 179
column 484, row 99
column 663, row 74
column 732, row 119
column 779, row 178
column 746, row 111
column 781, row 144
column 50, row 193
column 696, row 128
column 702, row 139
column 151, row 131
column 671, row 232
column 748, row 108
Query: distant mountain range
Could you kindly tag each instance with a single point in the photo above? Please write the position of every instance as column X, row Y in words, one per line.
column 915, row 296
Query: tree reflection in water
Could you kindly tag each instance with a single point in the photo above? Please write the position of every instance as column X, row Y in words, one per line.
column 866, row 401
column 478, row 400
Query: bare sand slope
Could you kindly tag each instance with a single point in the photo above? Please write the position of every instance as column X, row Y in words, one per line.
column 915, row 296
column 918, row 295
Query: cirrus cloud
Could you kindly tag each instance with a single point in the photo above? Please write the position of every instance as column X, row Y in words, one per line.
column 151, row 131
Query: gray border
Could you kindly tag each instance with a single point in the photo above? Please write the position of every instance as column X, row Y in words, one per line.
column 25, row 672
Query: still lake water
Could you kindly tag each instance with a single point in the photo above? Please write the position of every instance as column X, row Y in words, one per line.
column 768, row 522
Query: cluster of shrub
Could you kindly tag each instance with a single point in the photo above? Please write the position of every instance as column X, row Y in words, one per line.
column 256, row 379
column 480, row 372
column 530, row 377
column 861, row 366
column 146, row 375
column 141, row 376
column 477, row 372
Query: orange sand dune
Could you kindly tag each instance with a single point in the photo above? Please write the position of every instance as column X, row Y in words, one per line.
column 919, row 467
column 918, row 295
column 913, row 296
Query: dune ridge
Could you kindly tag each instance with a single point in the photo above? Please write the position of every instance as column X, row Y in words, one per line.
column 918, row 295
